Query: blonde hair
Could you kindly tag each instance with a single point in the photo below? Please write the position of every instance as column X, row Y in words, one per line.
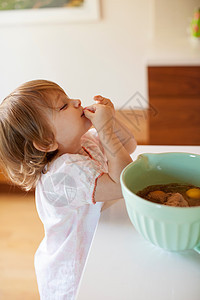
column 23, row 120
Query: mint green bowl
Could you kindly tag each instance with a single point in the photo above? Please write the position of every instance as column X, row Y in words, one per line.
column 171, row 228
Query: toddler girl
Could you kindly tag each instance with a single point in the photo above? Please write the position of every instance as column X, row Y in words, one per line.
column 47, row 143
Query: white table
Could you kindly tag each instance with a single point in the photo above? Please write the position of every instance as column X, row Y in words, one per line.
column 122, row 265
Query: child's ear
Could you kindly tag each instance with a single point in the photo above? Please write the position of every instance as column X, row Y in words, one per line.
column 51, row 148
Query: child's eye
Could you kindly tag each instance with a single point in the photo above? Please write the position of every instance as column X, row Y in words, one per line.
column 65, row 105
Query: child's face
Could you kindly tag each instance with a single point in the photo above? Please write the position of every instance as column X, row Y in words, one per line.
column 68, row 123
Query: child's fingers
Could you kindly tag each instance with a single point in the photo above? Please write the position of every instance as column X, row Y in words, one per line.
column 88, row 114
column 98, row 97
column 91, row 108
column 101, row 99
column 88, row 109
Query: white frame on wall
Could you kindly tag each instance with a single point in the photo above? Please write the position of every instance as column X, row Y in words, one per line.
column 89, row 11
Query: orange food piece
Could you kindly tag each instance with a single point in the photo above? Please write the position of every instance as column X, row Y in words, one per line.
column 158, row 195
column 176, row 199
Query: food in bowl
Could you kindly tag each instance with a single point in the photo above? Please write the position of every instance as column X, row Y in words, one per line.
column 172, row 194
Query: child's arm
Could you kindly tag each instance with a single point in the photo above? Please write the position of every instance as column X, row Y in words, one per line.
column 108, row 185
column 117, row 156
column 125, row 136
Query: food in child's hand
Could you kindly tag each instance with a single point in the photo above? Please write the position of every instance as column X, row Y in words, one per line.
column 90, row 109
column 173, row 194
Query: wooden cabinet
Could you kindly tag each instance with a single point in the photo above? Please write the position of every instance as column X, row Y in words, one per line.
column 174, row 92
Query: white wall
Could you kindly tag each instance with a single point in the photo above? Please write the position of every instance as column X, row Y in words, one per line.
column 173, row 18
column 104, row 57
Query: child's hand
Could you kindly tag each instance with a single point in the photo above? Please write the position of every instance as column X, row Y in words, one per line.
column 104, row 101
column 102, row 114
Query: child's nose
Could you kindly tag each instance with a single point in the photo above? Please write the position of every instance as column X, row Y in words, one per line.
column 77, row 102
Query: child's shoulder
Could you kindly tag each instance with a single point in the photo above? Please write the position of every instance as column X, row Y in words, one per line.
column 63, row 160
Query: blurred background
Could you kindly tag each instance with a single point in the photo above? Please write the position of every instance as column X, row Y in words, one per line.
column 139, row 53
